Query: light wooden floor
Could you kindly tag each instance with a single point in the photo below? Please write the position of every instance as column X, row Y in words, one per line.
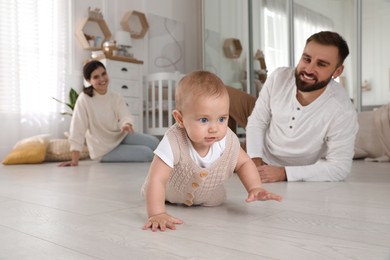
column 94, row 211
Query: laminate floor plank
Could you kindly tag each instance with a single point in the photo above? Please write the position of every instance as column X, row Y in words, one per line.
column 95, row 211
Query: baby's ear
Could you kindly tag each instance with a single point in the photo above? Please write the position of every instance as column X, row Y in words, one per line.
column 178, row 117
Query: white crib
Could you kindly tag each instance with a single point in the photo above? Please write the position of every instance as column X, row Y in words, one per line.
column 159, row 100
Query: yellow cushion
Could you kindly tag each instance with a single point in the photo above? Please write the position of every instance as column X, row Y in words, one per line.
column 29, row 150
column 59, row 150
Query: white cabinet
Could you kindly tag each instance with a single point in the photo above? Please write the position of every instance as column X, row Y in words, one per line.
column 126, row 79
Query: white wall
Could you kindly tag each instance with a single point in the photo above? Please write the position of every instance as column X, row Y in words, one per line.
column 186, row 12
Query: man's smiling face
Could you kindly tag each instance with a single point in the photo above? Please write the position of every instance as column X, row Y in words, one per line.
column 318, row 64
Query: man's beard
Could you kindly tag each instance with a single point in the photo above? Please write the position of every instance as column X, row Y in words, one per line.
column 305, row 87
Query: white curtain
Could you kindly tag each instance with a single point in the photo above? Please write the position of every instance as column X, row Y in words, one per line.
column 275, row 34
column 33, row 68
column 306, row 23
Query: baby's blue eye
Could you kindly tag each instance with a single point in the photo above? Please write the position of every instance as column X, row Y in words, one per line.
column 222, row 119
column 203, row 120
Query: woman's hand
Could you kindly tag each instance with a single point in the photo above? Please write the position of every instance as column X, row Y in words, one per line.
column 69, row 163
column 73, row 162
column 162, row 221
column 127, row 128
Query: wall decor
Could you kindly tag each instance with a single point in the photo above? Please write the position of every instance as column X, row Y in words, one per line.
column 232, row 48
column 93, row 31
column 135, row 23
column 166, row 45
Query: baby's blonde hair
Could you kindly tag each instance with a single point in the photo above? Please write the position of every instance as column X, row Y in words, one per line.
column 198, row 84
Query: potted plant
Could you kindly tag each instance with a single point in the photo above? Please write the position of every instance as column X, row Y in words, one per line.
column 73, row 95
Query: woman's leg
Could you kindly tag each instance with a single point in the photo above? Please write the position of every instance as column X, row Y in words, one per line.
column 137, row 147
column 141, row 139
column 129, row 153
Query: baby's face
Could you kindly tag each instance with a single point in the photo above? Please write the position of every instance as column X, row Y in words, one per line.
column 205, row 120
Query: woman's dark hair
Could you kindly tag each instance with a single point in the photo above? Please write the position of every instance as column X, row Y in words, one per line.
column 332, row 39
column 87, row 72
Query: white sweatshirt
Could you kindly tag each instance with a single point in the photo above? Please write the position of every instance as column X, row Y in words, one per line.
column 98, row 120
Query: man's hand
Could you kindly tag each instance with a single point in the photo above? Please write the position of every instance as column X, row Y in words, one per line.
column 257, row 161
column 162, row 221
column 262, row 194
column 269, row 173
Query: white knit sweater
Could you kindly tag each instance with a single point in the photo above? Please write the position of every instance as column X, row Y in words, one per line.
column 193, row 185
column 98, row 120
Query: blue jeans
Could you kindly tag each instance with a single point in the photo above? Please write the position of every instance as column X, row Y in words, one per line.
column 136, row 147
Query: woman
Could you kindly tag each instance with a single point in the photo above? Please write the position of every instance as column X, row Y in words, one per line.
column 102, row 119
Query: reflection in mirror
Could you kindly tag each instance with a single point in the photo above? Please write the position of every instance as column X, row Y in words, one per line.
column 334, row 15
column 270, row 31
column 375, row 76
column 222, row 20
column 273, row 31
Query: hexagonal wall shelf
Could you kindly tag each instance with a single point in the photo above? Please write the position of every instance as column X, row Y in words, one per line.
column 82, row 35
column 232, row 48
column 135, row 23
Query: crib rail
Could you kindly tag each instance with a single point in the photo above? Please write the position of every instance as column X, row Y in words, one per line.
column 159, row 97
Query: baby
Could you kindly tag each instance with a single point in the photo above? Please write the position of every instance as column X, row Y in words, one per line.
column 197, row 154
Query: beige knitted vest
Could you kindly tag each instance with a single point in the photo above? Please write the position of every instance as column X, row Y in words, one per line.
column 193, row 185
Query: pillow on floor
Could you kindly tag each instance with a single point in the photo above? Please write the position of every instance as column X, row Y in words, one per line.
column 29, row 150
column 367, row 143
column 59, row 151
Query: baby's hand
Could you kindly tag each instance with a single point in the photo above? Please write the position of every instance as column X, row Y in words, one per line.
column 262, row 194
column 162, row 221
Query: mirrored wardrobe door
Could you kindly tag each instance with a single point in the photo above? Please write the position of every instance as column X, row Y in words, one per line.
column 375, row 78
column 335, row 15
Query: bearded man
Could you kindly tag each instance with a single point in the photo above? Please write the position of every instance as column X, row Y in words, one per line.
column 303, row 124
